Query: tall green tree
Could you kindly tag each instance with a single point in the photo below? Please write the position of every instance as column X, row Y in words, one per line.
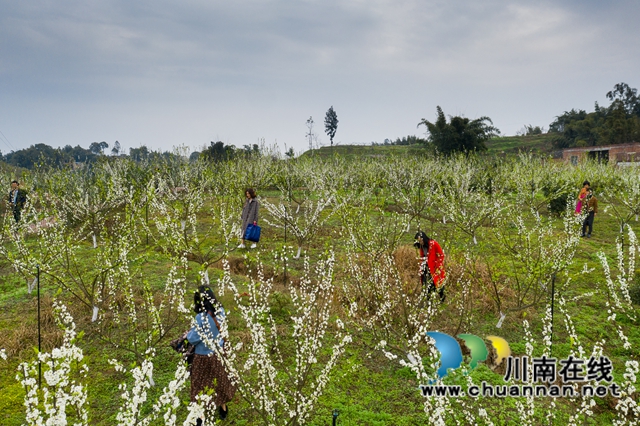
column 331, row 123
column 615, row 124
column 460, row 134
column 139, row 154
column 627, row 96
column 116, row 148
column 218, row 151
column 98, row 147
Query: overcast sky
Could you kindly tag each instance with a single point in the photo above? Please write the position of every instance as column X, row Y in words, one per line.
column 163, row 74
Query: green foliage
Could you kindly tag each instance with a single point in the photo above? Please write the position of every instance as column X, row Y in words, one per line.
column 558, row 204
column 558, row 191
column 367, row 387
column 218, row 151
column 116, row 148
column 615, row 124
column 290, row 153
column 98, row 147
column 331, row 123
column 627, row 96
column 634, row 290
column 409, row 140
column 42, row 153
column 460, row 134
column 529, row 130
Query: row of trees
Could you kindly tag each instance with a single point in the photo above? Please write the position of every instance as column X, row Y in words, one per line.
column 35, row 154
column 469, row 195
column 490, row 212
column 43, row 154
column 459, row 134
column 617, row 123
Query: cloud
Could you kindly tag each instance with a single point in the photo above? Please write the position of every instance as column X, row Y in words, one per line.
column 383, row 64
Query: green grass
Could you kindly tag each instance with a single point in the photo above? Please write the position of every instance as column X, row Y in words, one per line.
column 366, row 387
column 364, row 151
column 539, row 144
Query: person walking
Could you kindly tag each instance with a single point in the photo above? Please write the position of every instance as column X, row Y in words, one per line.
column 432, row 272
column 582, row 196
column 249, row 213
column 17, row 200
column 591, row 208
column 208, row 371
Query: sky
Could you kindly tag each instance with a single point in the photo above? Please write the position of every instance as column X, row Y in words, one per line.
column 168, row 74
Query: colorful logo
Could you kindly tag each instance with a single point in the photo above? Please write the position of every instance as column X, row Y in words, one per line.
column 451, row 353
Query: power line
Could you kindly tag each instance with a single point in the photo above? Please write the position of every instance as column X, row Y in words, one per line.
column 9, row 144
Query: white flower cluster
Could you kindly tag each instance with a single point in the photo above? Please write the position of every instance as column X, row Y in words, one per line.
column 618, row 290
column 466, row 207
column 628, row 408
column 275, row 388
column 571, row 330
column 537, row 253
column 60, row 399
column 303, row 226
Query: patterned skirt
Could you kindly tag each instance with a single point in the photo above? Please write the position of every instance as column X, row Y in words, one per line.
column 207, row 372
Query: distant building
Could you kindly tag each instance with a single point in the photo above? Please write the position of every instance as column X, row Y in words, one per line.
column 617, row 154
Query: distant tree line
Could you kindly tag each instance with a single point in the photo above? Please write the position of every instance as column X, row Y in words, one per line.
column 617, row 123
column 218, row 151
column 43, row 154
column 529, row 130
column 405, row 140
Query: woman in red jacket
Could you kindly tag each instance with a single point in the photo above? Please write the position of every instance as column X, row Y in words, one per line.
column 431, row 264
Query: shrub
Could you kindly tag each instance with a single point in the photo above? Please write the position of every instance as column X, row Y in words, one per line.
column 634, row 290
column 558, row 193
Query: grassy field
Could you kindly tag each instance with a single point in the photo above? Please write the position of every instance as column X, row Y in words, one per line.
column 366, row 386
column 539, row 144
column 542, row 144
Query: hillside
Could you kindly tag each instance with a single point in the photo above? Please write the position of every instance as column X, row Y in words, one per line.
column 511, row 144
column 542, row 144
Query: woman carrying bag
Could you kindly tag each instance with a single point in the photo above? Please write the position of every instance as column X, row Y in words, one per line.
column 249, row 214
column 207, row 370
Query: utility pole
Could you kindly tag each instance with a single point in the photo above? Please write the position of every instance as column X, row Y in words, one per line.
column 310, row 133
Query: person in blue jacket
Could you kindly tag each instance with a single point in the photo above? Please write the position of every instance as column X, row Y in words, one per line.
column 207, row 368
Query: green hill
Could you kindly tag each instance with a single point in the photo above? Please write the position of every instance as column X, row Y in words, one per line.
column 541, row 144
column 512, row 144
column 365, row 150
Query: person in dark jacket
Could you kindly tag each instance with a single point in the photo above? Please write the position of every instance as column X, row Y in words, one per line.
column 591, row 208
column 17, row 199
column 249, row 213
column 431, row 264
